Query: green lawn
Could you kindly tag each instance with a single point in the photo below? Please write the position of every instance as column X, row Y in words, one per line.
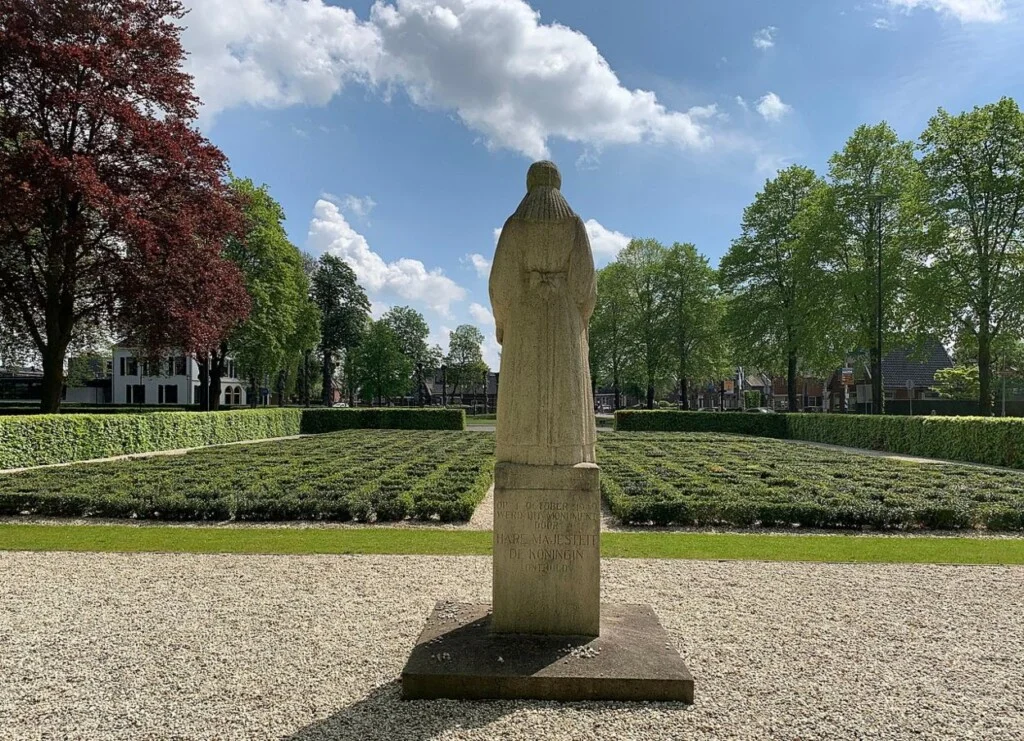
column 826, row 548
column 712, row 479
column 363, row 474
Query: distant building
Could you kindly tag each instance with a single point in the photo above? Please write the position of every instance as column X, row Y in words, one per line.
column 171, row 380
column 908, row 373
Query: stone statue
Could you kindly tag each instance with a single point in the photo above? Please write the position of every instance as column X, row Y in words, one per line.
column 543, row 289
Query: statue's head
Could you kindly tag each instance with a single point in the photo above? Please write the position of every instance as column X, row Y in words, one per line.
column 544, row 200
column 543, row 174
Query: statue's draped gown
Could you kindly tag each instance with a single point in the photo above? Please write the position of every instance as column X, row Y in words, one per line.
column 543, row 289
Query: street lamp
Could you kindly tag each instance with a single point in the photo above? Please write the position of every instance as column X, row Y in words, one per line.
column 877, row 382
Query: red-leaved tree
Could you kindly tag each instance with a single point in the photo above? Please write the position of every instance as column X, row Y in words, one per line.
column 113, row 208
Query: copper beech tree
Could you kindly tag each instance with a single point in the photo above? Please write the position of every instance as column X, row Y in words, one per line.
column 113, row 208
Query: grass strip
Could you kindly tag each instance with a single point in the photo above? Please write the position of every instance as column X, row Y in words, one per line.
column 819, row 548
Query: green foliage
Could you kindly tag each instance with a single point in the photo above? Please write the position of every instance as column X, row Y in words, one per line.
column 331, row 420
column 751, row 399
column 382, row 369
column 366, row 475
column 713, row 480
column 344, row 313
column 283, row 320
column 772, row 277
column 969, row 279
column 610, row 355
column 958, row 382
column 466, row 366
column 60, row 438
column 648, row 324
column 762, row 425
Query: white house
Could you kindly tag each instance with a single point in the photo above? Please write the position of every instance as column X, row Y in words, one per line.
column 172, row 380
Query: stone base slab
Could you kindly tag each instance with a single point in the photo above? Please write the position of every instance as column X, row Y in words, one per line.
column 459, row 656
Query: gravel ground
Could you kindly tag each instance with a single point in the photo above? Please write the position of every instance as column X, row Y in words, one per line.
column 158, row 646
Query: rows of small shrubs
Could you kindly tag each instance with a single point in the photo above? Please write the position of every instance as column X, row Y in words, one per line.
column 371, row 475
column 331, row 420
column 716, row 480
column 63, row 438
column 991, row 441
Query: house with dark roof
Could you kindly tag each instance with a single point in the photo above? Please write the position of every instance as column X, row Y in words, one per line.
column 907, row 373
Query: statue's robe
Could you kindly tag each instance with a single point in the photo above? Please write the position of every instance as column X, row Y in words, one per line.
column 543, row 289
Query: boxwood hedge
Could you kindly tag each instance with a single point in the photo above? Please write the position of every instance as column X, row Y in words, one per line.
column 991, row 441
column 63, row 438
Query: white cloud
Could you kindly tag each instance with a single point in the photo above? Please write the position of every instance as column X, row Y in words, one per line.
column 605, row 243
column 497, row 235
column 771, row 107
column 742, row 103
column 329, row 231
column 883, row 24
column 379, row 309
column 481, row 314
column 765, row 38
column 966, row 11
column 358, row 206
column 506, row 75
column 480, row 263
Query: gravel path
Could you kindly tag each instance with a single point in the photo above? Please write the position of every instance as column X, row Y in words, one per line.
column 151, row 646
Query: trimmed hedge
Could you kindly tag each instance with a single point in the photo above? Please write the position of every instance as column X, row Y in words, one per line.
column 762, row 425
column 63, row 438
column 987, row 440
column 315, row 421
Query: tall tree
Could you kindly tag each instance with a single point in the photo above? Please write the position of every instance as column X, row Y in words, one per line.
column 609, row 338
column 412, row 331
column 971, row 275
column 283, row 321
column 772, row 277
column 694, row 311
column 874, row 192
column 466, row 366
column 112, row 206
column 647, row 323
column 344, row 313
column 382, row 367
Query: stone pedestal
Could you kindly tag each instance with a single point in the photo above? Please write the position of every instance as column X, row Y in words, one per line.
column 547, row 550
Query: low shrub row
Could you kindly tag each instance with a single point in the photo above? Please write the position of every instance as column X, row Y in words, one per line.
column 63, row 438
column 991, row 441
column 368, row 476
column 331, row 420
column 715, row 480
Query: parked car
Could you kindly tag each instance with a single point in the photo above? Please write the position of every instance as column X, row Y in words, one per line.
column 760, row 410
column 340, row 405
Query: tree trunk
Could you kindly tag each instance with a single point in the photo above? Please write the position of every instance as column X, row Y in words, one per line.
column 53, row 377
column 877, row 387
column 984, row 372
column 615, row 388
column 684, row 393
column 791, row 382
column 217, row 363
column 327, row 397
column 305, row 378
column 204, row 381
column 650, row 396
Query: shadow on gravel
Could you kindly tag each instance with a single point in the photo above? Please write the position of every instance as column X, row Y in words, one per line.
column 384, row 715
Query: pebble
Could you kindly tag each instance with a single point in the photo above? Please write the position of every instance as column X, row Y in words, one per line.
column 309, row 648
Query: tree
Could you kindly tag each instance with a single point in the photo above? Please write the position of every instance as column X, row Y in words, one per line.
column 609, row 340
column 113, row 209
column 283, row 321
column 772, row 278
column 959, row 382
column 382, row 367
column 344, row 313
column 466, row 366
column 971, row 275
column 647, row 324
column 694, row 312
column 874, row 175
column 412, row 331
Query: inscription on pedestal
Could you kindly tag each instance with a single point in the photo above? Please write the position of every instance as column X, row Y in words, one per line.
column 547, row 551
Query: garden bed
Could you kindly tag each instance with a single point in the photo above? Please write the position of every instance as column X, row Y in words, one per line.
column 713, row 480
column 360, row 474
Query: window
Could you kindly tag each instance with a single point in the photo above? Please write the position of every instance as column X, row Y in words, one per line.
column 169, row 392
column 122, row 366
column 179, row 365
column 231, row 369
column 237, row 399
column 133, row 367
column 127, row 392
column 138, row 394
column 170, row 366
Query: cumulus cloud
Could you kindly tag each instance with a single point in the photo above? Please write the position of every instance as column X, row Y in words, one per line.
column 329, row 231
column 883, row 24
column 765, row 38
column 480, row 264
column 481, row 314
column 771, row 107
column 742, row 103
column 966, row 11
column 606, row 243
column 505, row 74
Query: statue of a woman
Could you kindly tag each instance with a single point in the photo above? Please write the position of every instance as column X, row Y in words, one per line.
column 543, row 289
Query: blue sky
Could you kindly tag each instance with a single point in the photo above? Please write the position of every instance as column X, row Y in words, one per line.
column 397, row 134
